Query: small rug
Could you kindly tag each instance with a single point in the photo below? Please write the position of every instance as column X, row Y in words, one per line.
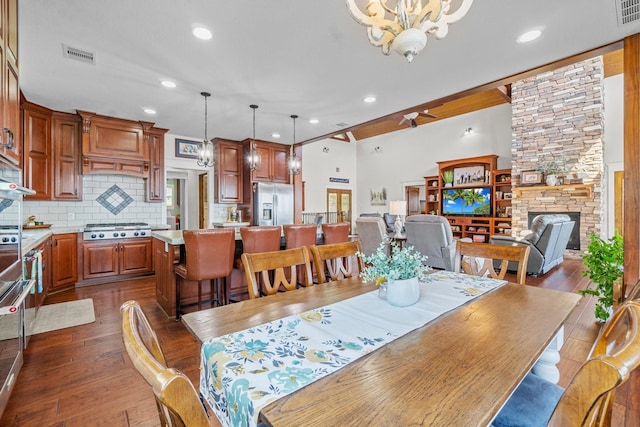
column 63, row 315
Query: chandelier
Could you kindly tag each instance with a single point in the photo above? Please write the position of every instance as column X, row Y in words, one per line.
column 205, row 153
column 405, row 27
column 253, row 158
column 293, row 162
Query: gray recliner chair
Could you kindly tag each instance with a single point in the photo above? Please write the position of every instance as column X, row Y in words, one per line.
column 371, row 232
column 431, row 236
column 547, row 241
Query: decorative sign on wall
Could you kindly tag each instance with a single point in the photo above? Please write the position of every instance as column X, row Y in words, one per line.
column 379, row 198
column 341, row 180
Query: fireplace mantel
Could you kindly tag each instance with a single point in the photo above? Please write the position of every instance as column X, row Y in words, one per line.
column 577, row 190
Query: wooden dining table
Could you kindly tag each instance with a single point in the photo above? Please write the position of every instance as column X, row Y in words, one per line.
column 458, row 369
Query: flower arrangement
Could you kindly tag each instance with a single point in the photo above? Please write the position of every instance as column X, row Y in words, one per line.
column 552, row 167
column 403, row 263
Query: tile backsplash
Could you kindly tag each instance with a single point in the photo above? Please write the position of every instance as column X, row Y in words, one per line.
column 103, row 197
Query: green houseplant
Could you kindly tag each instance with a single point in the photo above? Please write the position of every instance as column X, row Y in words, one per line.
column 604, row 260
column 447, row 178
column 401, row 270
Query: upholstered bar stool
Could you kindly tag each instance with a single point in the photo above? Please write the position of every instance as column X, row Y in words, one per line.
column 264, row 238
column 335, row 233
column 208, row 256
column 300, row 235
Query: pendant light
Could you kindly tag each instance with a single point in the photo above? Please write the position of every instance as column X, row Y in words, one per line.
column 294, row 161
column 253, row 154
column 205, row 153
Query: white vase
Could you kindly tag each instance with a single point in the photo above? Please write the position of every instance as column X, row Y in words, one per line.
column 403, row 293
column 551, row 180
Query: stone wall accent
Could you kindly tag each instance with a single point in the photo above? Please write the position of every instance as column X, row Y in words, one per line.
column 560, row 114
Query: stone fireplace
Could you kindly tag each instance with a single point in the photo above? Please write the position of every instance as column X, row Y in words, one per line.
column 560, row 115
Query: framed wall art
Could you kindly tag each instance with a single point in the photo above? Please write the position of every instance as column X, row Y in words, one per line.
column 531, row 178
column 187, row 149
column 468, row 175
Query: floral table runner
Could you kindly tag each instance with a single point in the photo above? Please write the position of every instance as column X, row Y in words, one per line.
column 246, row 370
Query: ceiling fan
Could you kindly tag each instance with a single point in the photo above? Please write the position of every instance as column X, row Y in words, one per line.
column 411, row 117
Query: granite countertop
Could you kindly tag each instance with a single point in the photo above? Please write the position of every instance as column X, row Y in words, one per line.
column 174, row 237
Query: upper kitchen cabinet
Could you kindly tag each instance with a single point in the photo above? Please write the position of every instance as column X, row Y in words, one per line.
column 228, row 171
column 67, row 177
column 114, row 146
column 10, row 137
column 271, row 161
column 155, row 182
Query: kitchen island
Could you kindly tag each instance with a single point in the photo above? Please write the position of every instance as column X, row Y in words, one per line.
column 168, row 251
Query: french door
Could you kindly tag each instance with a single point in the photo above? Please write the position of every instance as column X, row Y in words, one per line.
column 339, row 201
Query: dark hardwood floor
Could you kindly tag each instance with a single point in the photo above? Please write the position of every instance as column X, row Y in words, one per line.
column 82, row 376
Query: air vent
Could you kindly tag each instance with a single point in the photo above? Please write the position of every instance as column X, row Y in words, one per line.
column 342, row 124
column 628, row 11
column 79, row 54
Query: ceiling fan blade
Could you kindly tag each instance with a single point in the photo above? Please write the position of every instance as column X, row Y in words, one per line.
column 426, row 113
column 404, row 119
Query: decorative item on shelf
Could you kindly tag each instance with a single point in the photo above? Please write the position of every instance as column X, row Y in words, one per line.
column 551, row 170
column 399, row 209
column 405, row 27
column 402, row 271
column 253, row 159
column 604, row 260
column 447, row 178
column 293, row 162
column 531, row 178
column 205, row 151
column 31, row 221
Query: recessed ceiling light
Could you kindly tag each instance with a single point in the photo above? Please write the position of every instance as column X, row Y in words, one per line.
column 529, row 36
column 149, row 111
column 168, row 83
column 275, row 135
column 314, row 121
column 202, row 33
column 370, row 99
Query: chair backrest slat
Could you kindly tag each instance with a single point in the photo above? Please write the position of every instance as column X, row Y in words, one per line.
column 337, row 261
column 276, row 270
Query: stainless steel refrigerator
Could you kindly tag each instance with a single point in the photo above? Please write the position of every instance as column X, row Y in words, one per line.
column 272, row 203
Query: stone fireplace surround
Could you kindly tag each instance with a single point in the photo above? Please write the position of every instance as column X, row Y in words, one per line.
column 560, row 114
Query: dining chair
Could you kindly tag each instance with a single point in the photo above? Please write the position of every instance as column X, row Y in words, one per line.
column 337, row 261
column 478, row 259
column 588, row 399
column 177, row 400
column 269, row 272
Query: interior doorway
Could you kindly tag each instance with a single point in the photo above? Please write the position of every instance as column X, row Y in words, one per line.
column 413, row 200
column 339, row 201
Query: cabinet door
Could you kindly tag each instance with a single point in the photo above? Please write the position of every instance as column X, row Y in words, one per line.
column 12, row 112
column 36, row 165
column 263, row 171
column 229, row 173
column 135, row 256
column 279, row 167
column 155, row 182
column 65, row 260
column 100, row 259
column 67, row 181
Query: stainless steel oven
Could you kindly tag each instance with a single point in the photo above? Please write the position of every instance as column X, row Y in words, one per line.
column 13, row 289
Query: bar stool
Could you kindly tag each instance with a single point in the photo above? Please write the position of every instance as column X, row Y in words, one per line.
column 264, row 238
column 208, row 256
column 300, row 235
column 335, row 233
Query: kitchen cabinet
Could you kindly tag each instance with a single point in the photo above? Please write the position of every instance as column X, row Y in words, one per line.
column 165, row 258
column 36, row 164
column 155, row 182
column 272, row 161
column 228, row 171
column 67, row 178
column 10, row 132
column 45, row 249
column 64, row 248
column 117, row 257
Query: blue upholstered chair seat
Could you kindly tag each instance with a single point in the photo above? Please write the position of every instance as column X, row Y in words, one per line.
column 531, row 405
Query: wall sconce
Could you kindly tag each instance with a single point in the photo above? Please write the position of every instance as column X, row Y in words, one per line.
column 325, row 150
column 468, row 131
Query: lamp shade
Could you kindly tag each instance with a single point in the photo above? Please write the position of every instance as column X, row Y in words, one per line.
column 398, row 207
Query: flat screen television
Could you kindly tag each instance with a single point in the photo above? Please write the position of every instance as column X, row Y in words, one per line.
column 467, row 201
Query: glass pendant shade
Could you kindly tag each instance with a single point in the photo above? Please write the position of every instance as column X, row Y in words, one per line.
column 253, row 158
column 293, row 162
column 205, row 152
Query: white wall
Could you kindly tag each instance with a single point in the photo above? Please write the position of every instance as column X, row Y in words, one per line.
column 613, row 142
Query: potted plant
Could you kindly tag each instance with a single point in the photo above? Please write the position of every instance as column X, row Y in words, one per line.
column 402, row 271
column 551, row 169
column 604, row 260
column 447, row 177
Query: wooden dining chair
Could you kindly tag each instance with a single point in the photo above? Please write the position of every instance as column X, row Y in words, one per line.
column 588, row 399
column 478, row 259
column 276, row 271
column 337, row 261
column 176, row 399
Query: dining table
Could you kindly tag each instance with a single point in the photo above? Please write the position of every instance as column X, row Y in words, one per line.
column 338, row 354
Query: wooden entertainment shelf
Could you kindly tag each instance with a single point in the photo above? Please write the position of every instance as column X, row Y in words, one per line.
column 474, row 173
